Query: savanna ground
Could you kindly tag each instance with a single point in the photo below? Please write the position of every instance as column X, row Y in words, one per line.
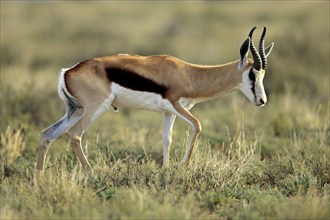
column 250, row 163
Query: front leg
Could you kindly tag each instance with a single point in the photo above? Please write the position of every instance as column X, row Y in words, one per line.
column 195, row 129
column 167, row 136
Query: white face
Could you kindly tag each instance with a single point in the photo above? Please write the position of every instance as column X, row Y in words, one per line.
column 252, row 86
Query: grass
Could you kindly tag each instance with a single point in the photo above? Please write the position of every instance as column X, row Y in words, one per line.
column 250, row 163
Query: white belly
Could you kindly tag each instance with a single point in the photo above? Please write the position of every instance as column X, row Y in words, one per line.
column 141, row 100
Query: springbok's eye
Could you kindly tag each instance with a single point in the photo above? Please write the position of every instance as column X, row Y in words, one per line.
column 252, row 77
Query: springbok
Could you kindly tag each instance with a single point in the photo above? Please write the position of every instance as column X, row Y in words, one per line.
column 159, row 83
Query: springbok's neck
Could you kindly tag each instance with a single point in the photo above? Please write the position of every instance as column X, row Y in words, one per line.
column 212, row 81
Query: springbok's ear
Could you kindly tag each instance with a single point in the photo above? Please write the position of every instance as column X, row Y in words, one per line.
column 269, row 49
column 244, row 51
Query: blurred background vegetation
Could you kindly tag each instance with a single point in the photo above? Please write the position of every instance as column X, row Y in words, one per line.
column 247, row 156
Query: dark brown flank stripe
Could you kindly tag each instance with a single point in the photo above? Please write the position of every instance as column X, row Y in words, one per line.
column 134, row 81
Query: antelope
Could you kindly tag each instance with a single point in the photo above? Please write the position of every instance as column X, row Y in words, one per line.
column 159, row 83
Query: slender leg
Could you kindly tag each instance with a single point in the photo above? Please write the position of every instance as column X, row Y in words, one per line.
column 53, row 132
column 47, row 137
column 75, row 144
column 91, row 113
column 75, row 134
column 167, row 136
column 42, row 151
column 195, row 129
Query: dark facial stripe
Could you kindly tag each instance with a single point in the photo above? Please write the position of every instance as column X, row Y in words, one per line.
column 252, row 77
column 134, row 81
column 253, row 90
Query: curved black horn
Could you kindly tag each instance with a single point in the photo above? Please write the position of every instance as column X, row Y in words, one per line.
column 262, row 49
column 256, row 57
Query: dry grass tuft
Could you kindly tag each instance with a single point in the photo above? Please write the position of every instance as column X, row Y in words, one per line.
column 12, row 144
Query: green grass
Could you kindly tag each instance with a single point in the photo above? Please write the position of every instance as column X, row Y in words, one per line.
column 250, row 163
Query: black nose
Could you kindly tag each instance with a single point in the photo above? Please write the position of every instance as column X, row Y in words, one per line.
column 262, row 102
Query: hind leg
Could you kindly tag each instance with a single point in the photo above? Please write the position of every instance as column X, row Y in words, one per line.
column 75, row 133
column 53, row 132
column 48, row 136
column 42, row 151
